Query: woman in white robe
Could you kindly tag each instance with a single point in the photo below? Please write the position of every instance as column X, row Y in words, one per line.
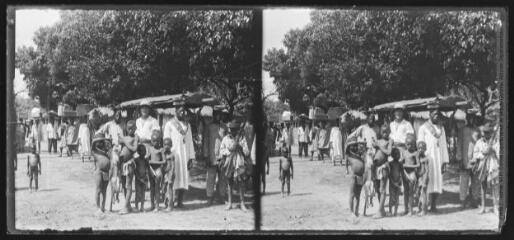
column 84, row 140
column 437, row 151
column 182, row 138
column 336, row 143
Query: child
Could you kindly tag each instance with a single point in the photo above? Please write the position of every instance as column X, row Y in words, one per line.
column 33, row 167
column 155, row 166
column 141, row 176
column 395, row 180
column 285, row 170
column 169, row 173
column 221, row 186
column 380, row 167
column 410, row 167
column 422, row 178
column 101, row 153
column 128, row 146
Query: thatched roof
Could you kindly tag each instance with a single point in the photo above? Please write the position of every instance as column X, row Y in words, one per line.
column 188, row 99
column 443, row 103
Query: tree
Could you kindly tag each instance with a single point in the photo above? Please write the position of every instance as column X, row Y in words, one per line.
column 363, row 58
column 105, row 57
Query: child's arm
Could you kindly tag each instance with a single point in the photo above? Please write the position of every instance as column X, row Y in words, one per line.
column 39, row 163
column 28, row 164
column 291, row 162
column 280, row 168
column 386, row 149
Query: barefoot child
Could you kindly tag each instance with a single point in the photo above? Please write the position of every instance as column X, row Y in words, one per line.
column 141, row 176
column 169, row 173
column 33, row 167
column 395, row 181
column 285, row 167
column 155, row 169
column 100, row 150
column 410, row 168
column 128, row 148
column 383, row 148
column 422, row 178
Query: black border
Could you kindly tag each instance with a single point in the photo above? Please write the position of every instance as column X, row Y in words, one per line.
column 507, row 229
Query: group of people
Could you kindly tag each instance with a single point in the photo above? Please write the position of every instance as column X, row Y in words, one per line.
column 414, row 163
column 323, row 139
column 145, row 153
column 65, row 134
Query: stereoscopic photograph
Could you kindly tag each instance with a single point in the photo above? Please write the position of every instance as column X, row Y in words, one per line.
column 135, row 119
column 262, row 120
column 384, row 119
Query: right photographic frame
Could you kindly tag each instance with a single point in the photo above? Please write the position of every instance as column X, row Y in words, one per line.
column 384, row 119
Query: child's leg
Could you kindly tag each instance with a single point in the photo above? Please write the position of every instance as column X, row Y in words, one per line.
column 36, row 182
column 31, row 178
column 288, row 181
column 358, row 189
column 98, row 183
column 104, row 193
column 496, row 196
column 352, row 191
column 242, row 195
column 170, row 195
column 152, row 193
column 483, row 196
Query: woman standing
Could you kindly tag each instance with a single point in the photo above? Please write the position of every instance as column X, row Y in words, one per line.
column 84, row 139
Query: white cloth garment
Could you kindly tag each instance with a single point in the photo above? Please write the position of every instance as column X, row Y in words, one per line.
column 182, row 139
column 84, row 140
column 144, row 127
column 50, row 131
column 253, row 154
column 302, row 135
column 336, row 140
column 365, row 133
column 112, row 131
column 400, row 130
column 437, row 150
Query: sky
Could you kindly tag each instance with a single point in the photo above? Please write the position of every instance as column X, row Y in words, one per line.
column 277, row 22
column 28, row 21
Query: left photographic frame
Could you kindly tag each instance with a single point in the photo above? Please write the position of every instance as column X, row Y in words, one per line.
column 137, row 119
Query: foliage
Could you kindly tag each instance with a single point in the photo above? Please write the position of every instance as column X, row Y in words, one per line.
column 24, row 106
column 274, row 109
column 105, row 57
column 363, row 58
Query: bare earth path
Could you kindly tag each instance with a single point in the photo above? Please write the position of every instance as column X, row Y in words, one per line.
column 319, row 201
column 65, row 201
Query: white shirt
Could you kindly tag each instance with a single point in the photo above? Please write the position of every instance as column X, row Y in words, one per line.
column 144, row 127
column 400, row 130
column 50, row 131
column 480, row 149
column 112, row 131
column 365, row 133
column 302, row 135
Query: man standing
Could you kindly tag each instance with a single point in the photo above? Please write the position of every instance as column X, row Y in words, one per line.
column 36, row 134
column 287, row 136
column 400, row 128
column 179, row 130
column 112, row 129
column 209, row 132
column 51, row 133
column 366, row 134
column 146, row 124
column 468, row 135
column 303, row 139
column 432, row 133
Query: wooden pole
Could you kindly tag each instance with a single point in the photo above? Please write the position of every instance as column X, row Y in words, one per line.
column 11, row 119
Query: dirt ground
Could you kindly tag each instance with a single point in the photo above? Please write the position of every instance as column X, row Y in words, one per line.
column 65, row 201
column 319, row 201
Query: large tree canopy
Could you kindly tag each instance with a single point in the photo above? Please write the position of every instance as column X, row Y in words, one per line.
column 105, row 57
column 363, row 58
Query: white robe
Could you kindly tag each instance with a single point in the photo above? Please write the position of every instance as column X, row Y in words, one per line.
column 437, row 151
column 336, row 140
column 85, row 139
column 253, row 154
column 184, row 149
